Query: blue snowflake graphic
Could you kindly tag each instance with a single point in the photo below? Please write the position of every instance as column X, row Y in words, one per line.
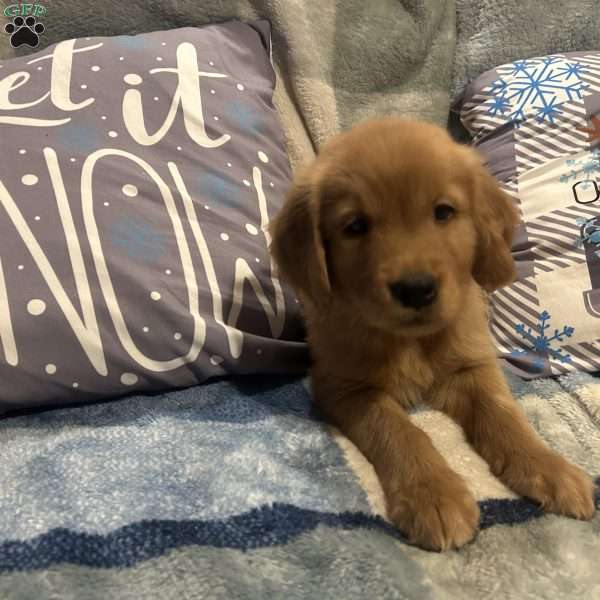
column 139, row 239
column 590, row 233
column 538, row 87
column 79, row 138
column 219, row 189
column 584, row 170
column 573, row 69
column 499, row 104
column 243, row 116
column 137, row 43
column 520, row 67
column 541, row 344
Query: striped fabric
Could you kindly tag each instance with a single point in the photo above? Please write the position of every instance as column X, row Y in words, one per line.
column 537, row 121
column 235, row 490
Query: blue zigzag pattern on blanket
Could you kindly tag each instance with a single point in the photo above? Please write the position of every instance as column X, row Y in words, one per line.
column 259, row 528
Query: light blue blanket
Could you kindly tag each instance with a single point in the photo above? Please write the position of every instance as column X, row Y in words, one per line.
column 235, row 490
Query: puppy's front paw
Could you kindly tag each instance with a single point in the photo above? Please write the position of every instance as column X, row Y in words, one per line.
column 555, row 483
column 438, row 514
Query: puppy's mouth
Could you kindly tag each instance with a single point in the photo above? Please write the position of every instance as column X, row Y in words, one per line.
column 416, row 321
column 425, row 319
column 420, row 327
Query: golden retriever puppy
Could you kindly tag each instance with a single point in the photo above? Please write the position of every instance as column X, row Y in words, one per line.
column 391, row 239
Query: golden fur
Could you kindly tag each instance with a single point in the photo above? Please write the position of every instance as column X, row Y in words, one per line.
column 362, row 217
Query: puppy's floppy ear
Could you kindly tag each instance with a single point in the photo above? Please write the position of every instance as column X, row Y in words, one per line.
column 297, row 245
column 495, row 217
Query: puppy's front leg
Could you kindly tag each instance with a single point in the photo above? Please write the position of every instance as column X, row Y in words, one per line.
column 428, row 501
column 480, row 401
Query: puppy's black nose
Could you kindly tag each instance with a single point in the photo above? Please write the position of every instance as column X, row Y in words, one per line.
column 416, row 291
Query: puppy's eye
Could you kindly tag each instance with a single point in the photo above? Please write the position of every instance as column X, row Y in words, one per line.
column 357, row 227
column 443, row 212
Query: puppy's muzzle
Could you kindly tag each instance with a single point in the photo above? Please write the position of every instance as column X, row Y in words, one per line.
column 415, row 291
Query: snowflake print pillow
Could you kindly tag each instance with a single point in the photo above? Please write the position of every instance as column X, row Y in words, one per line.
column 537, row 122
column 138, row 175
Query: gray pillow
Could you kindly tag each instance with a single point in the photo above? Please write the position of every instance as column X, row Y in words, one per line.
column 537, row 122
column 137, row 179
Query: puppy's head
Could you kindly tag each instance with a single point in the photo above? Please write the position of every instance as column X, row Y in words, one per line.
column 396, row 221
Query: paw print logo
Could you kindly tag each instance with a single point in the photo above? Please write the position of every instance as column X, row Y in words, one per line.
column 24, row 31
